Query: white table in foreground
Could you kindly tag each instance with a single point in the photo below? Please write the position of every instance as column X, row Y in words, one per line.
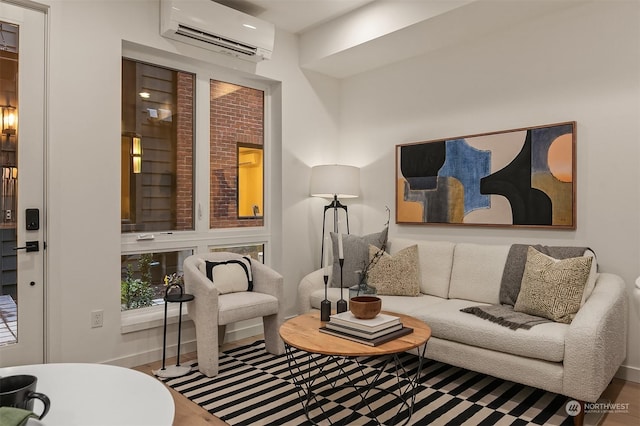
column 98, row 395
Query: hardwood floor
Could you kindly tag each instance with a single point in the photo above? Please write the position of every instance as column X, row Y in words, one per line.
column 190, row 414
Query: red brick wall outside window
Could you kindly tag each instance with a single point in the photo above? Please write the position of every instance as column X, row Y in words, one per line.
column 237, row 117
column 184, row 158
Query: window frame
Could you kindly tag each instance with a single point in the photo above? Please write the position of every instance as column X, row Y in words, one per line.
column 201, row 238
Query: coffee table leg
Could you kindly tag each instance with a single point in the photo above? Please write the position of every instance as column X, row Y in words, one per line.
column 307, row 368
column 303, row 379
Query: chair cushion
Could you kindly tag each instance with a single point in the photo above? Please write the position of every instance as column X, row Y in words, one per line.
column 241, row 306
column 229, row 276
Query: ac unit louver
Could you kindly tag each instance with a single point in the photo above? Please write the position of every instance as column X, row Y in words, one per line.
column 215, row 27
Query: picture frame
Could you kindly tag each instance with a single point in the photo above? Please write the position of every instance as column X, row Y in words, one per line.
column 524, row 178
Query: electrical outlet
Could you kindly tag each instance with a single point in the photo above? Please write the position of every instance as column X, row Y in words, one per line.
column 96, row 318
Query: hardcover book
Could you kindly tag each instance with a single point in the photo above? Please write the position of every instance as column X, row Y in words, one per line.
column 370, row 342
column 380, row 322
column 366, row 334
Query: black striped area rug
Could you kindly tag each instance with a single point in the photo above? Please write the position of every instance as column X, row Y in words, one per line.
column 254, row 387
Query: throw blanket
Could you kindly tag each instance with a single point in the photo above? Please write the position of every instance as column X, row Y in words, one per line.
column 504, row 314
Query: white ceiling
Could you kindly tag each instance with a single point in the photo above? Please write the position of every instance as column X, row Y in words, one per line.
column 342, row 38
column 295, row 16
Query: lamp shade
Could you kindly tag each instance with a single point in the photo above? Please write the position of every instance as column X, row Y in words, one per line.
column 335, row 180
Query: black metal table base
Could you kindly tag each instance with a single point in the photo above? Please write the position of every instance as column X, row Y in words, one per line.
column 321, row 378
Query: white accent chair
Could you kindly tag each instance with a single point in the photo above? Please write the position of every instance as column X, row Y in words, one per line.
column 211, row 311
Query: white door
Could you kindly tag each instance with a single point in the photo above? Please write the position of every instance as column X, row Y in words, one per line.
column 22, row 105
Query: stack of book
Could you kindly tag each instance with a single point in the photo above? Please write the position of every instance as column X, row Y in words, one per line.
column 372, row 332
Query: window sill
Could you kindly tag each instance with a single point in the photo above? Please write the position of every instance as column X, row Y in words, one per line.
column 151, row 317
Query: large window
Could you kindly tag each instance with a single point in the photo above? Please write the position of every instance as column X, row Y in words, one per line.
column 237, row 138
column 193, row 173
column 157, row 148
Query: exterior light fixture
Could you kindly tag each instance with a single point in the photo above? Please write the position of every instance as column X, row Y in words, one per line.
column 136, row 154
column 9, row 120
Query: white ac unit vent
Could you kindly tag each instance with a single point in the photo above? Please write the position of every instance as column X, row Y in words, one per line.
column 215, row 27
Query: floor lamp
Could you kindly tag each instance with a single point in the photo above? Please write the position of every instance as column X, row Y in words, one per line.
column 334, row 181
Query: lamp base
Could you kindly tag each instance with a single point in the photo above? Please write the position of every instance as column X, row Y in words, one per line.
column 173, row 371
column 325, row 310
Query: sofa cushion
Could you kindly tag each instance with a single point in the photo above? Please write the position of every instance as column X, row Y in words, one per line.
column 396, row 275
column 356, row 255
column 544, row 341
column 553, row 288
column 436, row 260
column 407, row 305
column 333, row 294
column 477, row 272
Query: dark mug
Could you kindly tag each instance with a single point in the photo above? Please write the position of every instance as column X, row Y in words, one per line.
column 20, row 391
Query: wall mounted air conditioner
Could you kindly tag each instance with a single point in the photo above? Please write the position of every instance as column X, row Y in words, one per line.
column 210, row 25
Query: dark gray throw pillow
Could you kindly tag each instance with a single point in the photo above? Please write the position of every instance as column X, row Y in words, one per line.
column 356, row 255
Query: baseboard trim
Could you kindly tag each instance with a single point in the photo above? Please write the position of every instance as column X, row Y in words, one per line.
column 628, row 373
column 154, row 355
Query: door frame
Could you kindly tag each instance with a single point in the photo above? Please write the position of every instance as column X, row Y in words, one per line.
column 38, row 200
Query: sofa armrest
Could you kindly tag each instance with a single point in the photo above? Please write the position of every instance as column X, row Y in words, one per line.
column 310, row 283
column 596, row 342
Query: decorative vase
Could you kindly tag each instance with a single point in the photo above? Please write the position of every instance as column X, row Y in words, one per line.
column 362, row 288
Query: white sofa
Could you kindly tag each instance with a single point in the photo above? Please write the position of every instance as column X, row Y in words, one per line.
column 577, row 360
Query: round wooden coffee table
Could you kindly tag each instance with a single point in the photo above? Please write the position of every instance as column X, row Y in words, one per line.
column 322, row 365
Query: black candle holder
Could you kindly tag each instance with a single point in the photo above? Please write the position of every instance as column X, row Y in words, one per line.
column 325, row 305
column 341, row 306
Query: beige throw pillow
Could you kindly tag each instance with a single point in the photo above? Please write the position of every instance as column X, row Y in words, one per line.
column 553, row 288
column 229, row 276
column 396, row 275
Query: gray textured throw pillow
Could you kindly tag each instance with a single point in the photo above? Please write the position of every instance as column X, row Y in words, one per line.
column 356, row 255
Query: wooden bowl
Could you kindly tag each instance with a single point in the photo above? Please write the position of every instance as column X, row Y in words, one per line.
column 365, row 307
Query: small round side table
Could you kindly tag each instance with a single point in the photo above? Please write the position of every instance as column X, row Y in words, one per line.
column 175, row 297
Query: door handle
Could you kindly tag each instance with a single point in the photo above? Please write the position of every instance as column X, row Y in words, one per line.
column 30, row 246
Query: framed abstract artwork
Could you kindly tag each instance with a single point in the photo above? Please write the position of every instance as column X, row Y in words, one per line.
column 515, row 178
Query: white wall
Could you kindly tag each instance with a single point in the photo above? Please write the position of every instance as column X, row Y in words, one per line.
column 581, row 64
column 84, row 161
